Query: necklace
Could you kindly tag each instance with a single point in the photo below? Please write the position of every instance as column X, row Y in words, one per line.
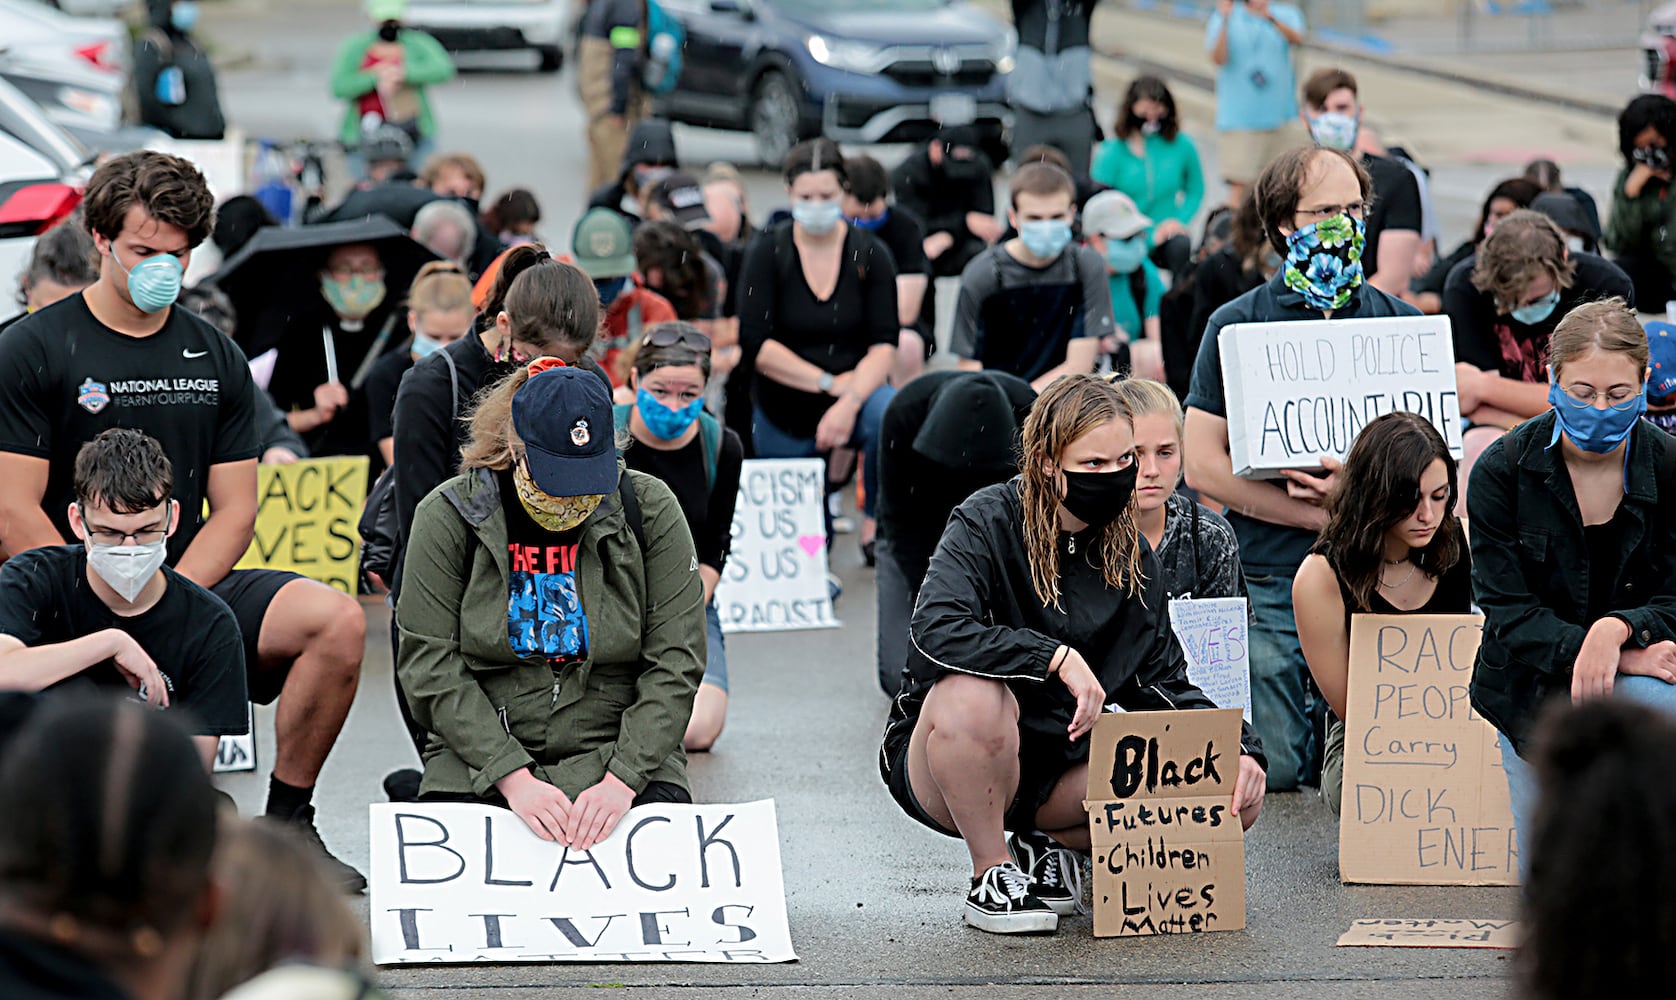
column 1071, row 545
column 1394, row 586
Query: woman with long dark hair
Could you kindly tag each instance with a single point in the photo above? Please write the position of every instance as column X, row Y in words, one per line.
column 1392, row 545
column 1152, row 161
column 1041, row 605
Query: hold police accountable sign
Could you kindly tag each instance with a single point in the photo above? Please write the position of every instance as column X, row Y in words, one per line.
column 1299, row 390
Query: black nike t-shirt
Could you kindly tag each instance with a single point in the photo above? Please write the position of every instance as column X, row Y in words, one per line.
column 67, row 377
column 45, row 598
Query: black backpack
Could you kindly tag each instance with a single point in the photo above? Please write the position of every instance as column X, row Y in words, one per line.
column 378, row 527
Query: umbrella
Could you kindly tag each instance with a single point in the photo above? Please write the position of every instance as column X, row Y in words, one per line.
column 398, row 202
column 275, row 275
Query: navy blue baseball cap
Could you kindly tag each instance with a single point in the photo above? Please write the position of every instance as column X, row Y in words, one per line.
column 564, row 417
column 1661, row 349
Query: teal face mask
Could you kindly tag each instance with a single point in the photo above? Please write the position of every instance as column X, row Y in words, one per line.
column 1124, row 256
column 153, row 283
column 1537, row 311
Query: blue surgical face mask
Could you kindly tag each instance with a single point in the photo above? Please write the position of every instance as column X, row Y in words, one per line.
column 609, row 289
column 1592, row 428
column 664, row 422
column 1124, row 256
column 423, row 346
column 817, row 217
column 184, row 15
column 153, row 283
column 1537, row 311
column 1335, row 130
column 1046, row 238
column 872, row 225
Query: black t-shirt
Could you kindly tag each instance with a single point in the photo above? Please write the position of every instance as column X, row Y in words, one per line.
column 1603, row 542
column 381, row 385
column 775, row 303
column 1488, row 340
column 544, row 614
column 1396, row 205
column 904, row 237
column 68, row 377
column 45, row 598
column 709, row 511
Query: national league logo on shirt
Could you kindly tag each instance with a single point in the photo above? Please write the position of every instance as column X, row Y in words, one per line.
column 92, row 395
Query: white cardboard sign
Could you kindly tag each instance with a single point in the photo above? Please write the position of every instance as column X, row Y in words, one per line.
column 1214, row 636
column 455, row 883
column 1299, row 390
column 775, row 580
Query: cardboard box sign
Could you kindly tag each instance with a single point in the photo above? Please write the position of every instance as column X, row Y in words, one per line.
column 1299, row 390
column 1169, row 852
column 1425, row 797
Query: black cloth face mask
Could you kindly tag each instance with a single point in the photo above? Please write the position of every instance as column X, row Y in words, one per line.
column 1098, row 498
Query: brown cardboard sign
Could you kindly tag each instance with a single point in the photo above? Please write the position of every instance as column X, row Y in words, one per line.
column 1425, row 798
column 1374, row 932
column 1169, row 851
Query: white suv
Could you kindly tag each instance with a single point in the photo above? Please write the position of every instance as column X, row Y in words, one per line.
column 497, row 25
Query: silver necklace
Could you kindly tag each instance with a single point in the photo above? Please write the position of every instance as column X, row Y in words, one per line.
column 1394, row 586
column 1071, row 545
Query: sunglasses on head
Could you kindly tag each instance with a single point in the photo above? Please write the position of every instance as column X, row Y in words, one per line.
column 665, row 337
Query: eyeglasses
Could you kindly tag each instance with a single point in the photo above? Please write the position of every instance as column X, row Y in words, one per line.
column 110, row 536
column 1355, row 210
column 1619, row 397
column 666, row 336
column 363, row 271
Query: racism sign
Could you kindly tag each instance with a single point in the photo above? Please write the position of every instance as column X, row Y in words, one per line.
column 775, row 578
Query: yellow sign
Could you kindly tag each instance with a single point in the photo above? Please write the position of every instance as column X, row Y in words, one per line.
column 306, row 519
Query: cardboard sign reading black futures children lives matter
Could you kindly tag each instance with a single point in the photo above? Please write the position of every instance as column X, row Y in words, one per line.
column 775, row 579
column 673, row 883
column 1169, row 851
column 1425, row 797
column 1297, row 391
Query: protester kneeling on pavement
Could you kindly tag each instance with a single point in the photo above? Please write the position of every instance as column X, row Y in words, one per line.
column 671, row 437
column 1574, row 545
column 1392, row 546
column 1041, row 605
column 551, row 617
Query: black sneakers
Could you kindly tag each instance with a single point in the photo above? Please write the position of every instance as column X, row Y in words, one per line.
column 343, row 875
column 1055, row 878
column 1000, row 903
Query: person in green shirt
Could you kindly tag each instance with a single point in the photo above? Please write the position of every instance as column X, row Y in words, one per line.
column 1641, row 228
column 1118, row 232
column 1153, row 162
column 381, row 75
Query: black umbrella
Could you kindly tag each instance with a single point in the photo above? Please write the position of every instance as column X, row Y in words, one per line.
column 398, row 202
column 277, row 272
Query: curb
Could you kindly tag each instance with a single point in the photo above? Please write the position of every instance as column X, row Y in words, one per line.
column 1180, row 12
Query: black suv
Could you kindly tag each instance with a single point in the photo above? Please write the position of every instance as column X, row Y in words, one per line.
column 856, row 71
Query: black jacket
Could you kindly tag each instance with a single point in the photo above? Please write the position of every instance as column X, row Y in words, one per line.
column 1530, row 571
column 32, row 969
column 198, row 116
column 978, row 614
column 941, row 196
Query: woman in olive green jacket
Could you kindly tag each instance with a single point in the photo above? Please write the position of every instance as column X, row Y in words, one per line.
column 552, row 635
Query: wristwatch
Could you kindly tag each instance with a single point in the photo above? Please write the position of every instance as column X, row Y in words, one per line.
column 826, row 382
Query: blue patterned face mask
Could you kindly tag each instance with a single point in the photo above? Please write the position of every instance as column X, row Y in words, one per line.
column 1324, row 261
column 665, row 422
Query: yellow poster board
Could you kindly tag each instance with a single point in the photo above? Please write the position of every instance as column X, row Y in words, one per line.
column 306, row 519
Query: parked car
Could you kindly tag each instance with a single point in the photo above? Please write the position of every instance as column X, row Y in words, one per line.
column 92, row 8
column 47, row 36
column 498, row 26
column 857, row 71
column 35, row 195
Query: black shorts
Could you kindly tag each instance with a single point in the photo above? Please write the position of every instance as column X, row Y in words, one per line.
column 249, row 592
column 1039, row 769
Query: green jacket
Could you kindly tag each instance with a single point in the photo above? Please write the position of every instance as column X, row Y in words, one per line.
column 624, row 709
column 424, row 59
column 1644, row 226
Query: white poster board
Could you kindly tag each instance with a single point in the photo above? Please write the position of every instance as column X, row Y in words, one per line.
column 456, row 883
column 775, row 579
column 237, row 753
column 1215, row 637
column 1296, row 391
